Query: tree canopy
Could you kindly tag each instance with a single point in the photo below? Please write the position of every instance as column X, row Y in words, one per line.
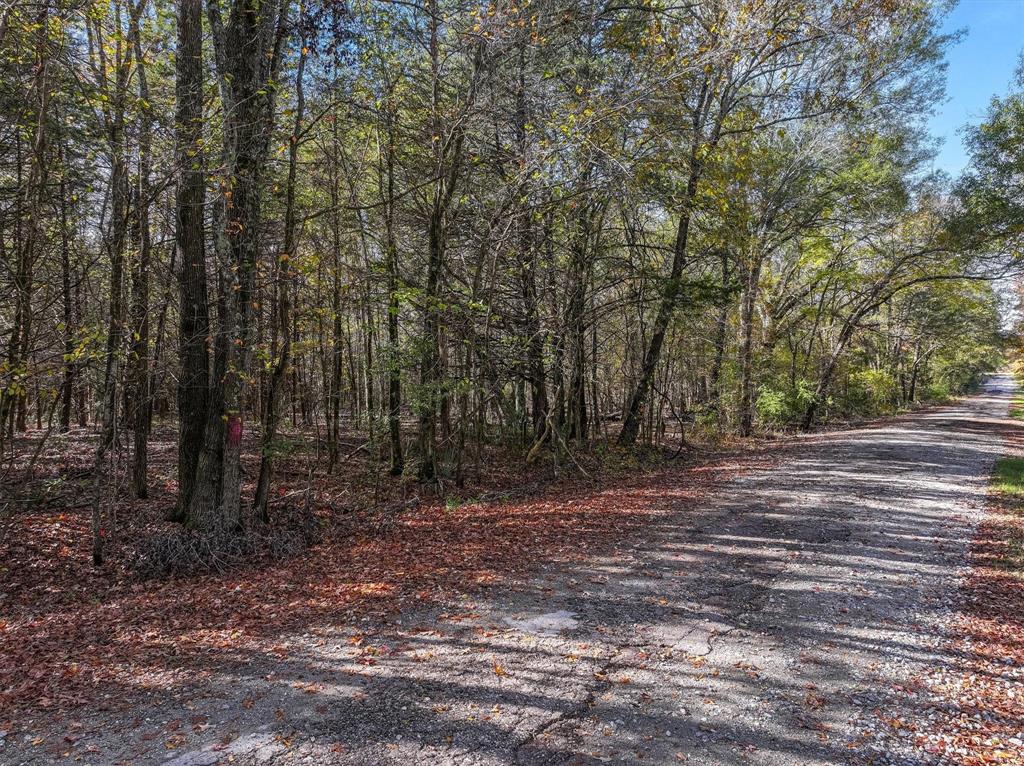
column 445, row 224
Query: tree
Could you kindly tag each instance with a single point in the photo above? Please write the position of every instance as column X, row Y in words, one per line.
column 248, row 48
column 423, row 235
column 194, row 330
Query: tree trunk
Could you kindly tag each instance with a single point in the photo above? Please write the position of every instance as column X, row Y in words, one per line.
column 248, row 50
column 391, row 265
column 194, row 328
column 747, row 306
column 575, row 324
column 430, row 356
column 115, row 239
column 273, row 404
column 69, row 364
column 721, row 323
column 915, row 373
column 143, row 408
column 528, row 257
column 825, row 380
column 666, row 310
column 31, row 196
column 333, row 381
column 673, row 286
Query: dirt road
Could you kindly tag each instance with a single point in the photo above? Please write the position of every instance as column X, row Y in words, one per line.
column 770, row 626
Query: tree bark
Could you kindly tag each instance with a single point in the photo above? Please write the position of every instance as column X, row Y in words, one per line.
column 673, row 286
column 391, row 265
column 284, row 306
column 721, row 323
column 70, row 366
column 30, row 200
column 115, row 239
column 248, row 51
column 747, row 306
column 140, row 356
column 666, row 310
column 430, row 354
column 194, row 328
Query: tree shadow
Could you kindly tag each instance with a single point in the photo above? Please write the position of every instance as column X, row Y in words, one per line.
column 764, row 620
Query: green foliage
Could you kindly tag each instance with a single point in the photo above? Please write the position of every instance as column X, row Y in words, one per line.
column 872, row 392
column 960, row 368
column 783, row 406
column 992, row 191
column 937, row 391
column 545, row 159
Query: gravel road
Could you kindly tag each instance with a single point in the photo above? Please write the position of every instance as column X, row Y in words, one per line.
column 769, row 626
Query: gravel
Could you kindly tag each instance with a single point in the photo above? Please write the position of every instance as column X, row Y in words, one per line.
column 770, row 625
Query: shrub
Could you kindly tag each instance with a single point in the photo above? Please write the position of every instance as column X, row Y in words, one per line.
column 872, row 392
column 785, row 405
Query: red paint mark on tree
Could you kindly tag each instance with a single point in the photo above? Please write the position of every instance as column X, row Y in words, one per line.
column 234, row 431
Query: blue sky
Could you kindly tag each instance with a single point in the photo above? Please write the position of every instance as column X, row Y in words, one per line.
column 980, row 66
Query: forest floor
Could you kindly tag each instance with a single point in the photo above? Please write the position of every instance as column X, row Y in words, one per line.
column 821, row 606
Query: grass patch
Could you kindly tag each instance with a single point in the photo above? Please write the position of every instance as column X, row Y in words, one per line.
column 1008, row 483
column 1017, row 408
column 1017, row 404
column 1008, row 478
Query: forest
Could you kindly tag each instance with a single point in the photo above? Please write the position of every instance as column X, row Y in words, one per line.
column 268, row 267
column 444, row 226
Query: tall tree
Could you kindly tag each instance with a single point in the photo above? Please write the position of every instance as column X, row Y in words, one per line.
column 248, row 47
column 194, row 329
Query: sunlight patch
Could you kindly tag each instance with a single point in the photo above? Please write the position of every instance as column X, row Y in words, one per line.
column 549, row 624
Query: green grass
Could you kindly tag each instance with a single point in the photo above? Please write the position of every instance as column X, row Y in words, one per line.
column 1017, row 408
column 1008, row 481
column 1017, row 405
column 1008, row 477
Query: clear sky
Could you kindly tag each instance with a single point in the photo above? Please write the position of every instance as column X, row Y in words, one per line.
column 981, row 65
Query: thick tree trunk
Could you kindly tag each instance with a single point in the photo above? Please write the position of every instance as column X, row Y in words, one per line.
column 248, row 51
column 194, row 328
